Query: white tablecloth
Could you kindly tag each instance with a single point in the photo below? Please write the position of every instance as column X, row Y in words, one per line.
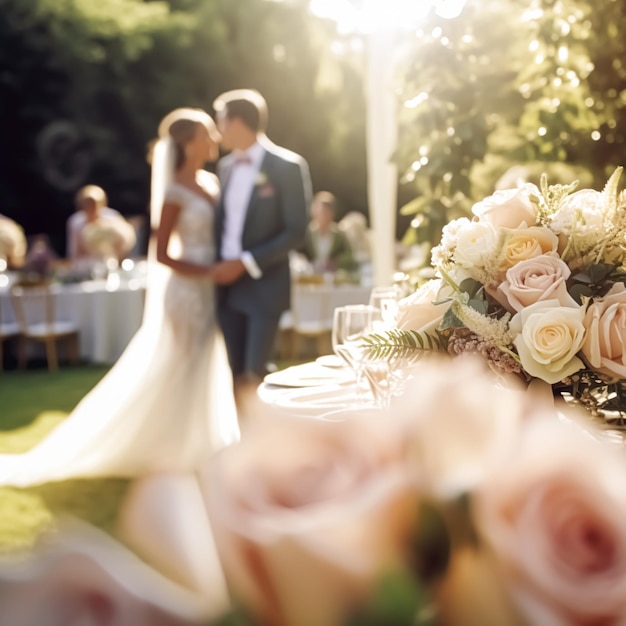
column 280, row 392
column 107, row 314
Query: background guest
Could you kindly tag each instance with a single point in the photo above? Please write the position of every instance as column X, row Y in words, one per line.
column 12, row 243
column 95, row 230
column 41, row 257
column 326, row 246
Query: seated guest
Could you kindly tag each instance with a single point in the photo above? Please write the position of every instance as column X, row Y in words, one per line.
column 41, row 257
column 326, row 246
column 95, row 230
column 12, row 243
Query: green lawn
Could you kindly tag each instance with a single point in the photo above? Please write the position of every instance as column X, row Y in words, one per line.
column 31, row 404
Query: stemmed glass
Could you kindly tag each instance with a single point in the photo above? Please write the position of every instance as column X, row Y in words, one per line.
column 350, row 325
column 386, row 299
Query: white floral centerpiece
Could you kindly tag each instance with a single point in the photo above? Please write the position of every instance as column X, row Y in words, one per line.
column 535, row 284
column 12, row 242
column 108, row 237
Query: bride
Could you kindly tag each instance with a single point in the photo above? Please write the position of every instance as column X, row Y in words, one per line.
column 167, row 403
column 162, row 410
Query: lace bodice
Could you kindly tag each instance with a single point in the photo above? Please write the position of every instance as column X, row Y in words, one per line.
column 195, row 222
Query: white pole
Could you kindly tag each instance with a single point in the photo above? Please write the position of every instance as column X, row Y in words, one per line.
column 382, row 175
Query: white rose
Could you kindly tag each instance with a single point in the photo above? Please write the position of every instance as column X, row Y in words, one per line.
column 476, row 243
column 536, row 279
column 581, row 214
column 547, row 338
column 509, row 208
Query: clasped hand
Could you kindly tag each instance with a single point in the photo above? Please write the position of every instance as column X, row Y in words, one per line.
column 227, row 272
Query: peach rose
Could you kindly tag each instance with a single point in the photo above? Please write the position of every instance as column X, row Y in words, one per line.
column 547, row 338
column 307, row 514
column 540, row 278
column 605, row 321
column 526, row 243
column 553, row 515
column 509, row 208
column 418, row 311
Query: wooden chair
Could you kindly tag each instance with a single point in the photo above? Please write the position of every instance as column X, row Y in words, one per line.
column 8, row 330
column 311, row 316
column 35, row 310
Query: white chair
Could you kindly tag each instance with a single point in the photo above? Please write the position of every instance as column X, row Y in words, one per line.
column 34, row 305
column 311, row 316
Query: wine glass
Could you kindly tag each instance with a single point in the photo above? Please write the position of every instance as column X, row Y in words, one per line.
column 351, row 324
column 386, row 299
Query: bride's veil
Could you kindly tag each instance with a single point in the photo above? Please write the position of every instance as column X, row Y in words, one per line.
column 163, row 159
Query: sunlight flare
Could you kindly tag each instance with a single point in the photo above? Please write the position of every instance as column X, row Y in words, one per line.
column 381, row 14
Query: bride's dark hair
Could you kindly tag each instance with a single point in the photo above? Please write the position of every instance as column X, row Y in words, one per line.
column 181, row 125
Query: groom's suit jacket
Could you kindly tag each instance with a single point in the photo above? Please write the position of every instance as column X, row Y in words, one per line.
column 275, row 223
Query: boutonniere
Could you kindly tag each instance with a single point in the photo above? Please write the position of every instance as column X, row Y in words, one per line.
column 261, row 179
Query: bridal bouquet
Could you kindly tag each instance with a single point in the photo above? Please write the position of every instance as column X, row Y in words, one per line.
column 108, row 237
column 535, row 284
column 12, row 241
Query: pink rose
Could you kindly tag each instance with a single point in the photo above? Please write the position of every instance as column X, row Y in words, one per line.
column 307, row 515
column 605, row 344
column 509, row 208
column 418, row 311
column 539, row 278
column 553, row 515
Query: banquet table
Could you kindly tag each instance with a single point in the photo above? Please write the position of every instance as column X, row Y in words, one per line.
column 311, row 389
column 106, row 312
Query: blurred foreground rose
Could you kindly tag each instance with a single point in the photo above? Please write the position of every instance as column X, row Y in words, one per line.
column 307, row 515
column 82, row 577
column 461, row 420
column 553, row 514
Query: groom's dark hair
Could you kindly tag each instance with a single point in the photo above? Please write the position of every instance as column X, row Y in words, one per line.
column 246, row 104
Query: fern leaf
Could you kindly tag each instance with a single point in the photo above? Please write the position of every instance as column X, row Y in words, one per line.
column 400, row 345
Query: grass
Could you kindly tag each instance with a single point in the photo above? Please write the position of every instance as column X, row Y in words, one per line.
column 32, row 403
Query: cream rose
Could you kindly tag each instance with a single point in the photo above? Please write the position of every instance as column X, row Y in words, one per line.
column 525, row 243
column 308, row 514
column 553, row 516
column 418, row 311
column 540, row 278
column 509, row 208
column 547, row 338
column 605, row 344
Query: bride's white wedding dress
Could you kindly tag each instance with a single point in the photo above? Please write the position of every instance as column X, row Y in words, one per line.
column 167, row 404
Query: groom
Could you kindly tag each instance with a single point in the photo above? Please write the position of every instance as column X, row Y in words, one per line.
column 262, row 215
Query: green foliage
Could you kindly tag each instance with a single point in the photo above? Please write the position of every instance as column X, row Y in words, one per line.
column 544, row 88
column 114, row 68
column 594, row 281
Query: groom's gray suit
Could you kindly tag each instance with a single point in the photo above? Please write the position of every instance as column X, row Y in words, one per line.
column 275, row 223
